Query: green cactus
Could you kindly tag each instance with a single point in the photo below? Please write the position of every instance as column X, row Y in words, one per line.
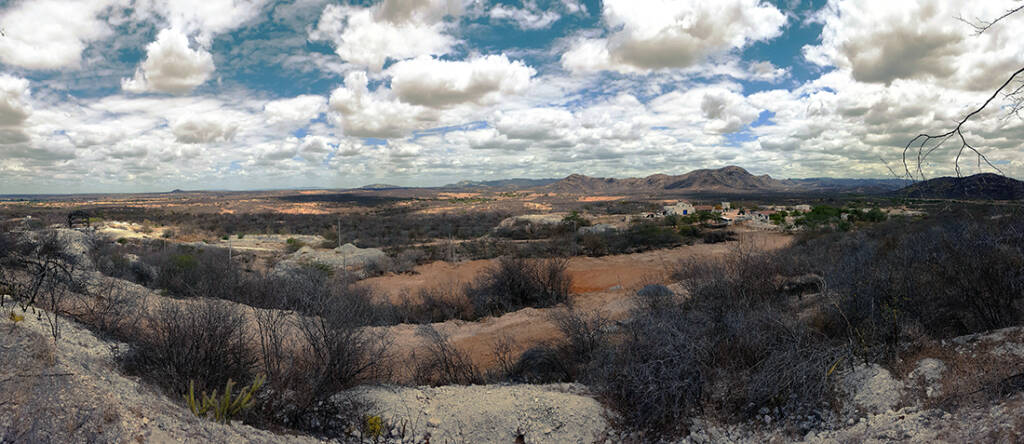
column 225, row 407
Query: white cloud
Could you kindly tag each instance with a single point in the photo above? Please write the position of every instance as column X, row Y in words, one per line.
column 658, row 34
column 295, row 111
column 538, row 124
column 374, row 114
column 14, row 109
column 51, row 34
column 766, row 71
column 171, row 66
column 881, row 41
column 199, row 130
column 202, row 18
column 485, row 139
column 437, row 83
column 393, row 29
column 529, row 17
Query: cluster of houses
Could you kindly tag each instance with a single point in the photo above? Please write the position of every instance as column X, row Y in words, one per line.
column 727, row 214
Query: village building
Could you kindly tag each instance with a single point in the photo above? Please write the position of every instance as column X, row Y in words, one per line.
column 802, row 208
column 680, row 208
column 764, row 215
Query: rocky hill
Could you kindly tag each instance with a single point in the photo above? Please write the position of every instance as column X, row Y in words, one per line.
column 727, row 180
column 985, row 186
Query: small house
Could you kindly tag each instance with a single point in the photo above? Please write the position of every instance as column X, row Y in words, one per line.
column 680, row 208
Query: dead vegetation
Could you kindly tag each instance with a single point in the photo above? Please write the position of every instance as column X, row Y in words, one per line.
column 729, row 344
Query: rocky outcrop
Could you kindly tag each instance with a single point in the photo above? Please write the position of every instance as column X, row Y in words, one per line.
column 555, row 413
column 872, row 388
column 347, row 256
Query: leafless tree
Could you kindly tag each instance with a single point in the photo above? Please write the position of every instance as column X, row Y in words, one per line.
column 50, row 269
column 916, row 152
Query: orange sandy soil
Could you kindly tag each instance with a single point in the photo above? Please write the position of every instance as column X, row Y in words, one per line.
column 600, row 198
column 456, row 195
column 603, row 284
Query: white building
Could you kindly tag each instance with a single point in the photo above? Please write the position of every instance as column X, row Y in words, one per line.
column 726, row 206
column 680, row 208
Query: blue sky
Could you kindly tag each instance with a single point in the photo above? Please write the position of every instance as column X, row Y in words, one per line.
column 148, row 95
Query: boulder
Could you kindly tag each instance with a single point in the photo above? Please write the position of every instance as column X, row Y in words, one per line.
column 928, row 374
column 343, row 257
column 872, row 389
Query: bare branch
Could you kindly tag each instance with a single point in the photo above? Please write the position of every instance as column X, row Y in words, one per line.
column 920, row 143
column 980, row 26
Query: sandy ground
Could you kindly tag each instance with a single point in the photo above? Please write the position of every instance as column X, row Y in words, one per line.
column 602, row 284
column 589, row 274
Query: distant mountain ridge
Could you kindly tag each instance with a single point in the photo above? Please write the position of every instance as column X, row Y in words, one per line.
column 726, row 180
column 380, row 186
column 984, row 186
column 514, row 184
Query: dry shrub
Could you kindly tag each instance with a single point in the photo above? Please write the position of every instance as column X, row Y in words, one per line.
column 516, row 283
column 435, row 304
column 205, row 341
column 502, row 352
column 442, row 363
column 112, row 308
column 729, row 347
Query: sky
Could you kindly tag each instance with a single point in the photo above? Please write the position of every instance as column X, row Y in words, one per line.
column 151, row 95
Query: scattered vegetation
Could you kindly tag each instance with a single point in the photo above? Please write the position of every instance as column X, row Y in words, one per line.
column 205, row 341
column 226, row 406
column 745, row 339
column 442, row 363
column 516, row 283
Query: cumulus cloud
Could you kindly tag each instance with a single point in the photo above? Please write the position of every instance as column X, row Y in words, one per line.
column 393, row 29
column 486, row 139
column 659, row 34
column 766, row 71
column 295, row 111
column 203, row 18
column 530, row 16
column 538, row 124
column 14, row 109
column 881, row 41
column 439, row 83
column 51, row 34
column 171, row 66
column 203, row 131
column 374, row 114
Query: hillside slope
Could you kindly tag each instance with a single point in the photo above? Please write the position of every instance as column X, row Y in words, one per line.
column 985, row 186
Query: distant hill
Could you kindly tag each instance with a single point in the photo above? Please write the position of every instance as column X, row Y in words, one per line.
column 863, row 186
column 511, row 184
column 985, row 186
column 380, row 186
column 727, row 180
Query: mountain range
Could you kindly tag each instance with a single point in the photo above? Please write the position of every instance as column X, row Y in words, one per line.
column 736, row 180
column 509, row 184
column 727, row 180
